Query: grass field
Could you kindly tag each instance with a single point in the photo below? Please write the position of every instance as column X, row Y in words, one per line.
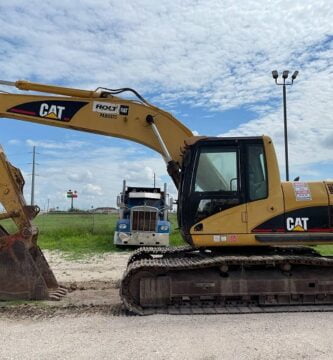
column 83, row 234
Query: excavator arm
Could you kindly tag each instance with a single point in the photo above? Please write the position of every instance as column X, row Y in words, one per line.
column 11, row 198
column 24, row 271
column 101, row 112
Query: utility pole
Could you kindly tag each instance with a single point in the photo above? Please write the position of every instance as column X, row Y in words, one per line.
column 275, row 76
column 32, row 201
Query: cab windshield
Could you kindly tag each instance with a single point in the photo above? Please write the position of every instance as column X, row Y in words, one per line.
column 216, row 180
column 217, row 170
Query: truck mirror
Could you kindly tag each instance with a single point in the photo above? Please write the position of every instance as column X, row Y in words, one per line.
column 118, row 201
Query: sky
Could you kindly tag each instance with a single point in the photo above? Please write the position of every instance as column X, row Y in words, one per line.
column 208, row 62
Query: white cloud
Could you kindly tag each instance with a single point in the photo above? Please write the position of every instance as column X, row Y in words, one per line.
column 14, row 142
column 97, row 175
column 80, row 175
column 208, row 54
column 50, row 144
column 210, row 50
column 91, row 189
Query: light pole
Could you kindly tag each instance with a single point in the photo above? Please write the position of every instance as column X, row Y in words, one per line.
column 284, row 83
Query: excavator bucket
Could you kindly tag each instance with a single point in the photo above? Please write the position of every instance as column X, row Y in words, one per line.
column 24, row 271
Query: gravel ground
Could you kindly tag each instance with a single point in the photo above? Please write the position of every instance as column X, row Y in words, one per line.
column 81, row 325
column 264, row 336
column 102, row 267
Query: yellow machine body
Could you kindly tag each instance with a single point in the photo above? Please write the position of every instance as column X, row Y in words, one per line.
column 241, row 221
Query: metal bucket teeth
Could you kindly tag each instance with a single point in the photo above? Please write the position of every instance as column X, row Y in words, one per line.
column 63, row 291
column 57, row 294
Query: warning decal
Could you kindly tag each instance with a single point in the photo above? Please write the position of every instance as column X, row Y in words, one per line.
column 223, row 238
column 302, row 191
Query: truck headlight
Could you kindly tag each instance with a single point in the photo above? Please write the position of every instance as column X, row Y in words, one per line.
column 122, row 226
column 164, row 227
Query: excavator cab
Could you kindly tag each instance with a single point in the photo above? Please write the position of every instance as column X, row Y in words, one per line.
column 219, row 174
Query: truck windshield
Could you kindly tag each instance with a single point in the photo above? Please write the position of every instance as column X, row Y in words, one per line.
column 145, row 202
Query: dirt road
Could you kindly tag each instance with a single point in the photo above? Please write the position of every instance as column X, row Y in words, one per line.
column 83, row 325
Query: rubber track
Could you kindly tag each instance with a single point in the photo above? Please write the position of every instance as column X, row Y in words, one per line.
column 145, row 251
column 164, row 265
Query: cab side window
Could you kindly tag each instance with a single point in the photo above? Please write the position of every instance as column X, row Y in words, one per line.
column 257, row 178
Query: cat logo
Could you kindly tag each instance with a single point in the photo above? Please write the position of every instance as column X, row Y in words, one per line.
column 59, row 110
column 297, row 224
column 51, row 111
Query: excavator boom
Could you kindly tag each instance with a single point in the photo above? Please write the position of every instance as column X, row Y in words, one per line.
column 101, row 112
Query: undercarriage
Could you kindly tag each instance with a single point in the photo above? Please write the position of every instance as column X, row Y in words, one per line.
column 187, row 280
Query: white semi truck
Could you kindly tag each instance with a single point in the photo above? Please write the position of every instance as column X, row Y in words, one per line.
column 143, row 216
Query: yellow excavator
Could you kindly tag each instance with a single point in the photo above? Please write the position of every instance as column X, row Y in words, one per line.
column 248, row 232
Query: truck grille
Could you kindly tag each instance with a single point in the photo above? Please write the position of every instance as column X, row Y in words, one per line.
column 144, row 218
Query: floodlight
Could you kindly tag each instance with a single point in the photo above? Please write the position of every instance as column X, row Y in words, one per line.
column 285, row 74
column 275, row 74
column 294, row 75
